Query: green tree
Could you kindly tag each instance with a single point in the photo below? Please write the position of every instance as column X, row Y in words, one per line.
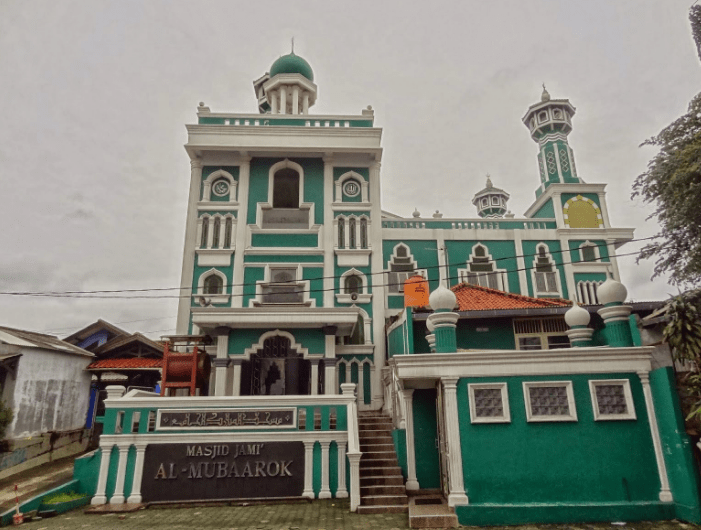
column 672, row 183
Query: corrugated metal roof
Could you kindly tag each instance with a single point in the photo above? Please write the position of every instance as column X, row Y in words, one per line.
column 18, row 337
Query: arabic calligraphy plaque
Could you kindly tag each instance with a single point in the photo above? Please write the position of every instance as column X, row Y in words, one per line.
column 218, row 471
column 226, row 419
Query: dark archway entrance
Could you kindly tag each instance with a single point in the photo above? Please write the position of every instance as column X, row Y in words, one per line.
column 275, row 370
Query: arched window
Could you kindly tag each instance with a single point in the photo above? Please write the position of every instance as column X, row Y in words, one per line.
column 401, row 267
column 215, row 232
column 228, row 226
column 363, row 233
column 341, row 232
column 353, row 284
column 544, row 272
column 286, row 189
column 351, row 232
column 213, row 284
column 205, row 232
column 482, row 270
column 589, row 252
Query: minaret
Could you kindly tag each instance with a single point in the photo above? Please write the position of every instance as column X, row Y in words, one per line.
column 491, row 201
column 550, row 122
column 288, row 88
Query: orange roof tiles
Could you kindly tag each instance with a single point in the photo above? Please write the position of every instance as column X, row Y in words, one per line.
column 134, row 363
column 476, row 298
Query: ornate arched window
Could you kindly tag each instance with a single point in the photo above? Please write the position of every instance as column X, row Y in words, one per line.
column 286, row 188
column 228, row 228
column 213, row 284
column 341, row 232
column 545, row 276
column 353, row 284
column 363, row 232
column 482, row 270
column 351, row 233
column 205, row 232
column 215, row 232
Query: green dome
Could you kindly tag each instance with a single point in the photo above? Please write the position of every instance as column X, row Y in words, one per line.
column 292, row 64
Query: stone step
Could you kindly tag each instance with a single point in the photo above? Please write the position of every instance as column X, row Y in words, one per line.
column 389, row 480
column 376, row 439
column 374, row 471
column 384, row 500
column 371, row 448
column 382, row 489
column 431, row 512
column 400, row 508
column 376, row 462
column 366, row 427
column 375, row 421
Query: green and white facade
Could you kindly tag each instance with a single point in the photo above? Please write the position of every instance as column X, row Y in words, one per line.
column 297, row 273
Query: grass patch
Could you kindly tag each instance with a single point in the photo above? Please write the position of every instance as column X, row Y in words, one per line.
column 59, row 498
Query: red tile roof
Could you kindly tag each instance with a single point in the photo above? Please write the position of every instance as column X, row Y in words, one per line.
column 134, row 363
column 476, row 298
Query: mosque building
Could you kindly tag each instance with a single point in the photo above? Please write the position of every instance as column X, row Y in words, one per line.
column 497, row 397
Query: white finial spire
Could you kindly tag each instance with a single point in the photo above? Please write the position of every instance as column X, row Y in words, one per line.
column 545, row 96
column 293, row 48
column 489, row 181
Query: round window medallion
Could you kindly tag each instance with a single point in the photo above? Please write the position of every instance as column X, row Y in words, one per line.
column 351, row 188
column 220, row 188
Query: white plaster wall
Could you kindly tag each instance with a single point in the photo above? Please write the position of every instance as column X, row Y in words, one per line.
column 51, row 393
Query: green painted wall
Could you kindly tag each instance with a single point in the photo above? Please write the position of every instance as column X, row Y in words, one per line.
column 399, row 439
column 283, row 259
column 425, row 434
column 682, row 469
column 284, row 240
column 547, row 211
column 558, row 462
column 499, row 334
column 590, row 277
column 251, row 275
column 316, row 283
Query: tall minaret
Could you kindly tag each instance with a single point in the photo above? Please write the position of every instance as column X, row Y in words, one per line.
column 550, row 122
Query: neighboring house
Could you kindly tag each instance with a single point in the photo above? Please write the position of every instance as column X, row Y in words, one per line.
column 44, row 381
column 129, row 359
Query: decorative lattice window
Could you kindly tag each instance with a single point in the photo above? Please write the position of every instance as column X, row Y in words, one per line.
column 549, row 401
column 363, row 232
column 489, row 403
column 612, row 399
column 401, row 266
column 545, row 275
column 341, row 232
column 215, row 232
column 481, row 270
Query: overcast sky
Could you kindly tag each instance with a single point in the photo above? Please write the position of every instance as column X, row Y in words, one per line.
column 95, row 95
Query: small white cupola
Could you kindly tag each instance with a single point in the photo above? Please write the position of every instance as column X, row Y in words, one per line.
column 491, row 201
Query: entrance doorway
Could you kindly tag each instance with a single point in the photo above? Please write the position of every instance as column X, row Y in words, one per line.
column 276, row 370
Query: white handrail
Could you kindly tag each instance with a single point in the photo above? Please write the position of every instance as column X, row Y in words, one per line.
column 354, row 453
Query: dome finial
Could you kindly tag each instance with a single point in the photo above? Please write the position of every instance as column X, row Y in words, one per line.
column 489, row 181
column 293, row 48
column 545, row 96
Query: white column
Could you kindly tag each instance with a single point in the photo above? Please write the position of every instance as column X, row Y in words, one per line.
column 236, row 389
column 272, row 97
column 378, row 290
column 295, row 100
column 315, row 377
column 241, row 226
column 220, row 365
column 325, row 492
column 330, row 383
column 450, row 403
column 210, row 232
column 222, row 232
column 100, row 498
column 118, row 497
column 190, row 244
column 411, row 482
column 361, row 386
column 613, row 259
column 283, row 100
column 305, row 102
column 328, row 233
column 341, row 491
column 520, row 263
column 308, row 468
column 135, row 496
column 198, row 238
column 665, row 492
column 567, row 268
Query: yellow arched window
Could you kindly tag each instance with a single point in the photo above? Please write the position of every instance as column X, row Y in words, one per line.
column 581, row 212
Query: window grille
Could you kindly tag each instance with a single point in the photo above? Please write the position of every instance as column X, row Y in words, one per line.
column 341, row 232
column 587, row 292
column 353, row 284
column 363, row 233
column 541, row 333
column 589, row 253
column 612, row 399
column 283, row 287
column 213, row 284
column 488, row 403
column 481, row 270
column 545, row 273
column 228, row 226
column 351, row 232
column 205, row 232
column 215, row 232
column 549, row 401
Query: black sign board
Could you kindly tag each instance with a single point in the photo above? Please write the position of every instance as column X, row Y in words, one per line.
column 211, row 471
column 172, row 419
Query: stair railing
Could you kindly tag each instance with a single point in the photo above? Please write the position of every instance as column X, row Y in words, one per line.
column 354, row 453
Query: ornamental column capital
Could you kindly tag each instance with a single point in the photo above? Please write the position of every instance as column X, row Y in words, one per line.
column 196, row 163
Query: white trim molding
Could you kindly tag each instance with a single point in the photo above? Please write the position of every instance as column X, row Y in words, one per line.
column 214, row 176
column 214, row 298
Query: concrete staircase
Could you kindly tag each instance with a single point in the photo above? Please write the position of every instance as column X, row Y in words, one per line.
column 381, row 482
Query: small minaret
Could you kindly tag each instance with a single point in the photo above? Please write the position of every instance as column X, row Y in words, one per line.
column 491, row 201
column 550, row 122
column 288, row 88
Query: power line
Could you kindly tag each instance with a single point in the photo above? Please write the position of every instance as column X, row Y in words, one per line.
column 112, row 294
column 69, row 294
